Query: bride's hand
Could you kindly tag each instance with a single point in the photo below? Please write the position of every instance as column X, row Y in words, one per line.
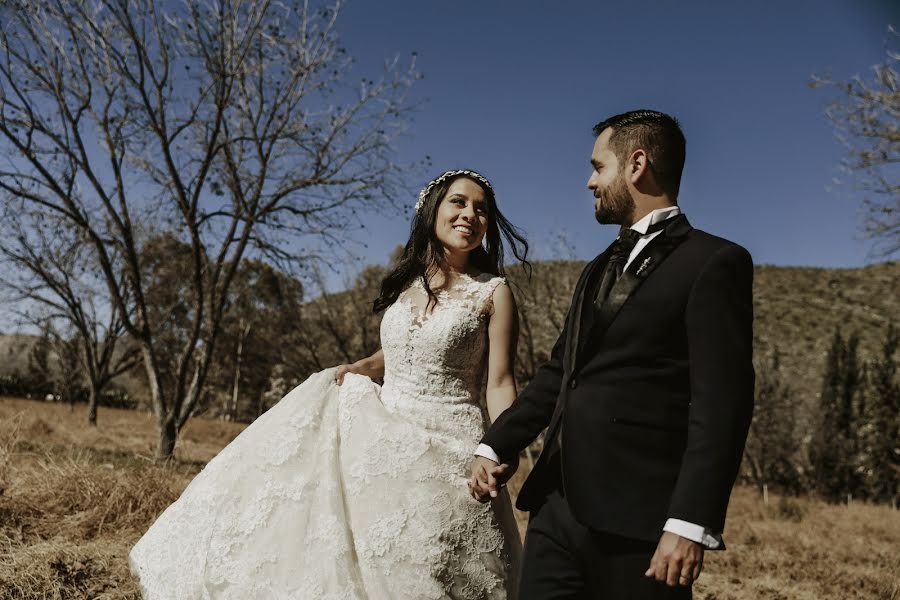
column 371, row 367
column 342, row 370
column 488, row 477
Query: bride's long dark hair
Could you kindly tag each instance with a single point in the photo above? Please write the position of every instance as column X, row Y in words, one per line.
column 423, row 255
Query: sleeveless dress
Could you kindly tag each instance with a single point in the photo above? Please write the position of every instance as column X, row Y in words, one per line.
column 353, row 491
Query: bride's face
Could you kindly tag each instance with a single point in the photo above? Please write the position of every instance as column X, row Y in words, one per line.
column 461, row 220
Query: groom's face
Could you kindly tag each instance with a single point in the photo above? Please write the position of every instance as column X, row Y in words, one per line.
column 612, row 199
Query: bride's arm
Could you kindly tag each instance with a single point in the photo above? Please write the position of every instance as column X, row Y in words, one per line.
column 503, row 330
column 371, row 366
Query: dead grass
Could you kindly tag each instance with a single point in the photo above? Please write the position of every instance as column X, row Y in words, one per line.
column 120, row 431
column 804, row 549
column 74, row 499
column 797, row 549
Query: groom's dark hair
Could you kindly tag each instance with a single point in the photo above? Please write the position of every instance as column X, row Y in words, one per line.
column 658, row 134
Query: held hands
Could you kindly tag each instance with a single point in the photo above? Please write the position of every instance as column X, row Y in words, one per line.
column 488, row 477
column 677, row 560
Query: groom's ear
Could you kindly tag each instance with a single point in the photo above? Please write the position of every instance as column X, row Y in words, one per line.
column 638, row 166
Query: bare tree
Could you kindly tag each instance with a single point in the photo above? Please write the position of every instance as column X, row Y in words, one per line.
column 47, row 272
column 867, row 119
column 230, row 123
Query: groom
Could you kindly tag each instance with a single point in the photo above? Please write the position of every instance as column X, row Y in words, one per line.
column 647, row 395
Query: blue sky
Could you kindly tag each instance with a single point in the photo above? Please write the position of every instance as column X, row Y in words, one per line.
column 512, row 89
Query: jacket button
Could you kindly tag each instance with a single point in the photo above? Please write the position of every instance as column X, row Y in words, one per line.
column 573, row 383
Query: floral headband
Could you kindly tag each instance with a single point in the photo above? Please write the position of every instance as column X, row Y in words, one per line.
column 443, row 177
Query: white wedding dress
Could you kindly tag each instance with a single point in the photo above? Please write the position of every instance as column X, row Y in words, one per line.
column 353, row 491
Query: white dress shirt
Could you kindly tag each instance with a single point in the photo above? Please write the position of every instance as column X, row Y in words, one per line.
column 685, row 529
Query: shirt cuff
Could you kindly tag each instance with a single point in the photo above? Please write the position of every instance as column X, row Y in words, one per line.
column 487, row 452
column 697, row 533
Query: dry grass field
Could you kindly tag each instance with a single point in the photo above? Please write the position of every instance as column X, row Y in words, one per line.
column 73, row 499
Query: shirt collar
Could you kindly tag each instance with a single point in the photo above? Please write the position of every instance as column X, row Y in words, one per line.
column 655, row 216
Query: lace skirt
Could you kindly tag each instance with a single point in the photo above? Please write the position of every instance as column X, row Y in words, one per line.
column 330, row 495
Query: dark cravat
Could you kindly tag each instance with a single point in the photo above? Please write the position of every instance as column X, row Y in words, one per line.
column 618, row 256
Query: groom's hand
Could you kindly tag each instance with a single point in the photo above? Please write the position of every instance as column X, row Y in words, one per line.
column 487, row 478
column 677, row 560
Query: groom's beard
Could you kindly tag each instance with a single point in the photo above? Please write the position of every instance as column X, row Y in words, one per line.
column 616, row 204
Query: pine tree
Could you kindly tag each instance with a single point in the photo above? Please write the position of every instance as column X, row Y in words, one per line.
column 880, row 435
column 834, row 448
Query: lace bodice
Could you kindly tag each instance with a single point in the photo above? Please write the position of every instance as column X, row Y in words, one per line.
column 436, row 354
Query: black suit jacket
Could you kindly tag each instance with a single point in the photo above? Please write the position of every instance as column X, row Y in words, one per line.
column 648, row 403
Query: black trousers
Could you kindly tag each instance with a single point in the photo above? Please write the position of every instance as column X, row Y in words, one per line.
column 565, row 560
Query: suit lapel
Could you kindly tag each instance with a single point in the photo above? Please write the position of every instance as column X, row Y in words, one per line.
column 573, row 336
column 637, row 272
column 573, row 333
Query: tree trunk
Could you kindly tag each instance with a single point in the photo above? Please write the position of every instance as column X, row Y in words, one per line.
column 93, row 398
column 226, row 403
column 756, row 469
column 231, row 413
column 165, row 421
column 260, row 403
column 167, row 435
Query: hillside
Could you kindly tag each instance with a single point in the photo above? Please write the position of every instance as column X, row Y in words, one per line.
column 798, row 309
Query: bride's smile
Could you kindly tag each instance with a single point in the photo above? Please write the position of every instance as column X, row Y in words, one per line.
column 462, row 219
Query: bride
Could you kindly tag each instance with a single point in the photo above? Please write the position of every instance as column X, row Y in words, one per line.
column 345, row 489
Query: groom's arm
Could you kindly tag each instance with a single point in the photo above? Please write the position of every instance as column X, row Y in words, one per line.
column 522, row 422
column 530, row 414
column 518, row 426
column 718, row 319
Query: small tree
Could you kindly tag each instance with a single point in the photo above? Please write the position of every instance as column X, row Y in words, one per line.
column 39, row 374
column 69, row 375
column 772, row 449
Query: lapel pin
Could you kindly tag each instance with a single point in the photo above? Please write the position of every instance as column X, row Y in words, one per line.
column 643, row 266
